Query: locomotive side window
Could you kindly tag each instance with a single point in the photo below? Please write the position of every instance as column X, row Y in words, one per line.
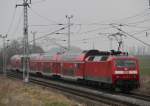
column 100, row 58
column 97, row 58
column 104, row 58
column 125, row 63
column 91, row 58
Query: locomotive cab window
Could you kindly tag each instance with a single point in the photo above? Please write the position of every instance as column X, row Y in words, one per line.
column 125, row 63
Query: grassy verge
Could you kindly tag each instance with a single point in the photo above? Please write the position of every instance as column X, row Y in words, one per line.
column 15, row 93
column 144, row 65
column 144, row 62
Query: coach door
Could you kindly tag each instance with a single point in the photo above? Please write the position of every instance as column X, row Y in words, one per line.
column 56, row 68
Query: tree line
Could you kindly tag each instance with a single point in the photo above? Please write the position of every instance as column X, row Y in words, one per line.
column 16, row 47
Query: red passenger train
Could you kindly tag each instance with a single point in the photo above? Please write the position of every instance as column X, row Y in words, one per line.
column 116, row 69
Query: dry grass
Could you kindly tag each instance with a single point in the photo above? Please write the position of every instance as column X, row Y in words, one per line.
column 145, row 74
column 145, row 85
column 15, row 93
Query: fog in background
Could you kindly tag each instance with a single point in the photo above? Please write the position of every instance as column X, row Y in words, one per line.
column 91, row 22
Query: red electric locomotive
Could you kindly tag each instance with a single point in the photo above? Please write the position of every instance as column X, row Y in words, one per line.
column 116, row 69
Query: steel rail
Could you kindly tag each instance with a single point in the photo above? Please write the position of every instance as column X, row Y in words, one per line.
column 95, row 99
column 132, row 94
column 96, row 96
column 138, row 96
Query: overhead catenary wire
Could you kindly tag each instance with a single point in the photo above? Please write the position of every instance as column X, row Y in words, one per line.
column 96, row 29
column 54, row 42
column 17, row 25
column 75, row 24
column 136, row 38
column 90, row 31
column 12, row 20
column 43, row 17
column 54, row 32
column 84, row 39
column 135, row 26
column 132, row 36
column 140, row 14
column 91, row 38
column 134, row 16
column 128, row 25
column 44, row 25
column 136, row 32
column 50, row 33
column 139, row 32
column 37, row 2
column 141, row 21
column 79, row 31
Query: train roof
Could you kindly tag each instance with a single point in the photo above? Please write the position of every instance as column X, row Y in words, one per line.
column 16, row 57
column 80, row 56
column 71, row 55
column 124, row 57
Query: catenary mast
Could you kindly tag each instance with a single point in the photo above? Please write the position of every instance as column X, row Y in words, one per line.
column 25, row 58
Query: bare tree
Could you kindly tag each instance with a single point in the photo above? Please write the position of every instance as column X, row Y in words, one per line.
column 16, row 47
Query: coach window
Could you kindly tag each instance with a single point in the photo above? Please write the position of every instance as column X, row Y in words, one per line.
column 78, row 65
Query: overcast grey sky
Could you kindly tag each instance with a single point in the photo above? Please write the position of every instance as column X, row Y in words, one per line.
column 89, row 19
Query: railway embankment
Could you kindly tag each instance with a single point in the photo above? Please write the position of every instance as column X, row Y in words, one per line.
column 144, row 86
column 16, row 93
column 144, row 62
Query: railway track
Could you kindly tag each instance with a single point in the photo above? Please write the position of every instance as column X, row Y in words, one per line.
column 138, row 96
column 92, row 96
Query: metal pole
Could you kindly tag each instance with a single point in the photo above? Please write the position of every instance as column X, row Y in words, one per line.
column 4, row 54
column 93, row 45
column 121, row 39
column 25, row 42
column 110, row 42
column 26, row 52
column 69, row 17
column 34, row 43
column 149, row 3
column 6, row 57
